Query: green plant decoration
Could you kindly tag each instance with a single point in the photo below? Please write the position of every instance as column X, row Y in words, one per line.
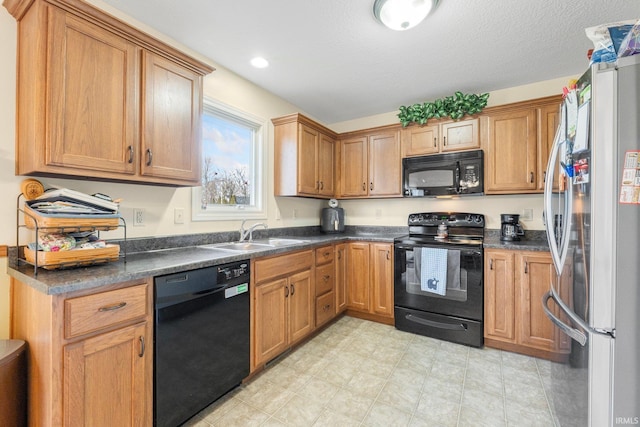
column 455, row 106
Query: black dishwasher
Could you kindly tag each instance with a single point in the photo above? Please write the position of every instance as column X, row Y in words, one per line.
column 201, row 339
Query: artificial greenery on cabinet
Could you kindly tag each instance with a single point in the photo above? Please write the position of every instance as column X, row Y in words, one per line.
column 455, row 107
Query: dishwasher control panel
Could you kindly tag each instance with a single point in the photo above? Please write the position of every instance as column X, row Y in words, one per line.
column 232, row 271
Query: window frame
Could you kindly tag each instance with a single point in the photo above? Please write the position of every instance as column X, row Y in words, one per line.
column 236, row 212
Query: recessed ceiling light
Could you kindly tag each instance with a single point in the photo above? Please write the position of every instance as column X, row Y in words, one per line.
column 259, row 62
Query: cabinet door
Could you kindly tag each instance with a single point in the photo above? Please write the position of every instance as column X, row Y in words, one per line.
column 105, row 379
column 301, row 305
column 511, row 157
column 271, row 331
column 382, row 278
column 326, row 165
column 535, row 276
column 420, row 140
column 93, row 90
column 358, row 276
column 499, row 295
column 384, row 164
column 460, row 135
column 308, row 141
column 341, row 277
column 171, row 121
column 548, row 121
column 353, row 167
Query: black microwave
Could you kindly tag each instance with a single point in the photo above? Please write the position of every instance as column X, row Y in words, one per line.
column 451, row 174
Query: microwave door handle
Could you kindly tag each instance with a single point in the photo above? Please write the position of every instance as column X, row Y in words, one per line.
column 458, row 177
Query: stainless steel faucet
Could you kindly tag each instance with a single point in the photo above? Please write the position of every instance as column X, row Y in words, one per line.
column 249, row 232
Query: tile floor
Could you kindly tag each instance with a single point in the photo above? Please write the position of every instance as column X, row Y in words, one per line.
column 361, row 373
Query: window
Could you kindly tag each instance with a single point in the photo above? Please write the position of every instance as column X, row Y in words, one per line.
column 232, row 165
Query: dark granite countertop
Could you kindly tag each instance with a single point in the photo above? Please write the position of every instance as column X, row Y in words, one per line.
column 534, row 240
column 149, row 257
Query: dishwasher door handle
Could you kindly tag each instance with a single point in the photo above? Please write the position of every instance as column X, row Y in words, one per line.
column 210, row 290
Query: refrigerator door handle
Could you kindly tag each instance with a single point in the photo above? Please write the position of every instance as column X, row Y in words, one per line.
column 548, row 212
column 575, row 334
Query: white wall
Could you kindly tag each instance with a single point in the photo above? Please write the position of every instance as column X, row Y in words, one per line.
column 159, row 202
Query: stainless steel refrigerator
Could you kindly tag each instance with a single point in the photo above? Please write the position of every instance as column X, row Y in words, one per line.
column 592, row 215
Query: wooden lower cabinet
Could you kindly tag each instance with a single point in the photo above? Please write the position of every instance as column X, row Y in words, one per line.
column 283, row 303
column 370, row 280
column 90, row 354
column 341, row 277
column 515, row 282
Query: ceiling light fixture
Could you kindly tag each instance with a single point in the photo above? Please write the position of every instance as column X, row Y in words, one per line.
column 401, row 15
column 259, row 62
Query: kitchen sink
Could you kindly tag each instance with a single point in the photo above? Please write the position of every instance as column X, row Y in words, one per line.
column 283, row 242
column 240, row 246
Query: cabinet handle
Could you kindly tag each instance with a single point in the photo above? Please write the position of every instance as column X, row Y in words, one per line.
column 544, row 176
column 142, row 347
column 149, row 156
column 112, row 307
column 435, row 141
column 388, row 255
column 371, row 186
column 531, row 177
column 491, row 264
column 293, row 290
column 286, row 292
column 339, row 254
column 131, row 154
column 444, row 141
column 326, row 278
column 526, row 267
column 364, row 186
column 321, row 185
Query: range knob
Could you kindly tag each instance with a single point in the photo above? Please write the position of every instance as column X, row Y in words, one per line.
column 477, row 218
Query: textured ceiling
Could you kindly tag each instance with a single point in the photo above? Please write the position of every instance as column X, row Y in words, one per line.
column 332, row 59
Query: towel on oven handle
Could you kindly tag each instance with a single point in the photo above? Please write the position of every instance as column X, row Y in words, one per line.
column 433, row 270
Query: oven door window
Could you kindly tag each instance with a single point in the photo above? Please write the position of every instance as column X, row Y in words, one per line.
column 456, row 288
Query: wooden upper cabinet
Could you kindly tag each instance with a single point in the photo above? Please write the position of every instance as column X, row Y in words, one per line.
column 87, row 63
column 304, row 158
column 85, row 106
column 370, row 165
column 517, row 142
column 171, row 125
column 512, row 152
column 548, row 122
column 440, row 136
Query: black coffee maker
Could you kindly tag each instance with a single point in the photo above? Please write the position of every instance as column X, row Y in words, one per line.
column 511, row 230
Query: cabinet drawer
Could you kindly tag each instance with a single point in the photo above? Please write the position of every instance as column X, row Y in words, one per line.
column 93, row 312
column 325, row 308
column 325, row 278
column 324, row 255
column 282, row 265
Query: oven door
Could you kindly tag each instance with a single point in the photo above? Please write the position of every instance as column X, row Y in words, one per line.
column 463, row 296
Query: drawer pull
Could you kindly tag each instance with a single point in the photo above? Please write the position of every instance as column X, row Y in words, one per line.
column 326, row 307
column 326, row 278
column 142, row 348
column 113, row 307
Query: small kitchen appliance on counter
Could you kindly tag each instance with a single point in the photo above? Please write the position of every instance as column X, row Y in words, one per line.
column 510, row 230
column 332, row 218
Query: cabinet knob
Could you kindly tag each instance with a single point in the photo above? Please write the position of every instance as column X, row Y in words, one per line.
column 149, row 156
column 326, row 307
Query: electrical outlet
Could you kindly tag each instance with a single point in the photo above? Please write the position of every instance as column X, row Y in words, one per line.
column 527, row 215
column 178, row 216
column 138, row 217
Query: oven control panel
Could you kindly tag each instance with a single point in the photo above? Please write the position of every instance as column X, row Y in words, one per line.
column 447, row 218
